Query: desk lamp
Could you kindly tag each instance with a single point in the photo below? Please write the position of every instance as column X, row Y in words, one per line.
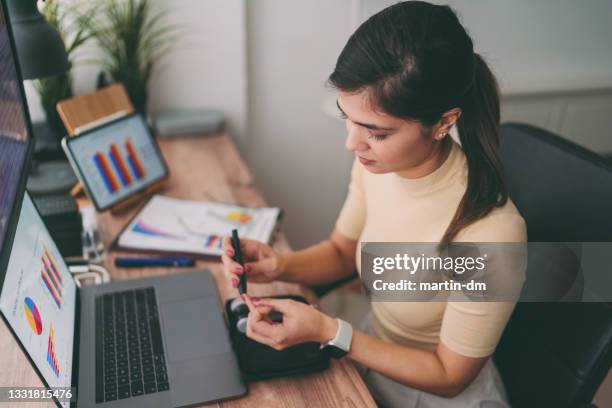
column 41, row 53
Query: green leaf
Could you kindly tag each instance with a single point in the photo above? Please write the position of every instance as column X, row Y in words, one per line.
column 133, row 38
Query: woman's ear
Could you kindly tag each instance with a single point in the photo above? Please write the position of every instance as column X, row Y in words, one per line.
column 447, row 121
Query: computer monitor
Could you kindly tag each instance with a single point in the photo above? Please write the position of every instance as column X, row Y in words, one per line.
column 15, row 138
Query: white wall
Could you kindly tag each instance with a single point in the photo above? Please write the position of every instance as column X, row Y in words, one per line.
column 296, row 150
column 579, row 116
column 209, row 68
column 536, row 46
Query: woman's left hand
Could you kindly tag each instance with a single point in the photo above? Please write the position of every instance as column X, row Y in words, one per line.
column 301, row 323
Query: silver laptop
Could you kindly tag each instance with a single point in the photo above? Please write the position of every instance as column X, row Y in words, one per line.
column 155, row 342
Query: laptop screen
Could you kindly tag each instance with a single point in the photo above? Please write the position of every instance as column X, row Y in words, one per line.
column 38, row 298
column 117, row 160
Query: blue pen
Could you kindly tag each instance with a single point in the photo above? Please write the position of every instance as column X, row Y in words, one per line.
column 161, row 261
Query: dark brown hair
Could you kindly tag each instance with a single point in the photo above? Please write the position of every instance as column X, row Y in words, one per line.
column 416, row 61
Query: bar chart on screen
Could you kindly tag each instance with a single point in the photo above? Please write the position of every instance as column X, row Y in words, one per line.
column 51, row 277
column 119, row 165
column 51, row 356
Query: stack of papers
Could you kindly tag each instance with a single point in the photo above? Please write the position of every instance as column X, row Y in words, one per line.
column 196, row 227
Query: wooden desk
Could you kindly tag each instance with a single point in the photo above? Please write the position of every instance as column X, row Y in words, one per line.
column 211, row 169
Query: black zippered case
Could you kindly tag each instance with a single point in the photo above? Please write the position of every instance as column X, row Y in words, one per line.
column 258, row 361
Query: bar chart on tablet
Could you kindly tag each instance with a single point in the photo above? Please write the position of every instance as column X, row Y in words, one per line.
column 117, row 160
column 119, row 166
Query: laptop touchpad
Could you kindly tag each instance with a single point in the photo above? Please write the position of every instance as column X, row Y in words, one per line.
column 194, row 328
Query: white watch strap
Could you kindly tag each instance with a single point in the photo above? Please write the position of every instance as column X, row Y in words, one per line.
column 343, row 336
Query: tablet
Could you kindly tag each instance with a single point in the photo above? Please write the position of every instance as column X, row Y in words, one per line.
column 116, row 160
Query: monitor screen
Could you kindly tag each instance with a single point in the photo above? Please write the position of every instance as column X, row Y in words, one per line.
column 14, row 133
column 38, row 298
column 117, row 160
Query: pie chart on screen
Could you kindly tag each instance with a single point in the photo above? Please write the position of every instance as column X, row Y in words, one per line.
column 32, row 315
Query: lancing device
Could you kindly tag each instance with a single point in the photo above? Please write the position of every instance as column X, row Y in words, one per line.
column 241, row 313
column 242, row 285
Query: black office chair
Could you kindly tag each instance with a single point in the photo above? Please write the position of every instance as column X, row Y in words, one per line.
column 556, row 354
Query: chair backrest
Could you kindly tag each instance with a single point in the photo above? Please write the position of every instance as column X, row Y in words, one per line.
column 556, row 354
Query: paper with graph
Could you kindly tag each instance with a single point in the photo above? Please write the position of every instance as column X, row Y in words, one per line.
column 175, row 225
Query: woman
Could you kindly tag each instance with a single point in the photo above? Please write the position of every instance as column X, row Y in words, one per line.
column 404, row 79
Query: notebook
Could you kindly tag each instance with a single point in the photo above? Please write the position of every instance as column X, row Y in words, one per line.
column 174, row 225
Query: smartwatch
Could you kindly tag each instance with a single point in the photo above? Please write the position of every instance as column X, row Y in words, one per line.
column 340, row 345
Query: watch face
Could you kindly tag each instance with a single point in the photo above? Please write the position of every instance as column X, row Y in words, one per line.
column 333, row 351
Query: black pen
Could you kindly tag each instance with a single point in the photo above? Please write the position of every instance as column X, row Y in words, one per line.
column 242, row 285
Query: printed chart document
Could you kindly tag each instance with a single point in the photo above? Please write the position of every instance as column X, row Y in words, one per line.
column 197, row 227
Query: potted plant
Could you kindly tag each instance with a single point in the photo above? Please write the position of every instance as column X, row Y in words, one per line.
column 133, row 39
column 72, row 25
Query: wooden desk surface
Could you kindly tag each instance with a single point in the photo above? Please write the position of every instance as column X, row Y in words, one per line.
column 211, row 169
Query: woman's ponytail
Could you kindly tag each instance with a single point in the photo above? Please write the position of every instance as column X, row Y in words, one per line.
column 478, row 128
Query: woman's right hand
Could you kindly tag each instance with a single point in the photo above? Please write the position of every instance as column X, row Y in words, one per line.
column 261, row 262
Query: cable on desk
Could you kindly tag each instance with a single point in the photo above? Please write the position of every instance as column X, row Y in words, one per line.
column 86, row 271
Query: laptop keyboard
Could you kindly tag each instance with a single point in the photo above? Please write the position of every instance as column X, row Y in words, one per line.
column 129, row 352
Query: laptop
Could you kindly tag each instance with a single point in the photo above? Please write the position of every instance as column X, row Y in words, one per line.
column 146, row 342
column 154, row 342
